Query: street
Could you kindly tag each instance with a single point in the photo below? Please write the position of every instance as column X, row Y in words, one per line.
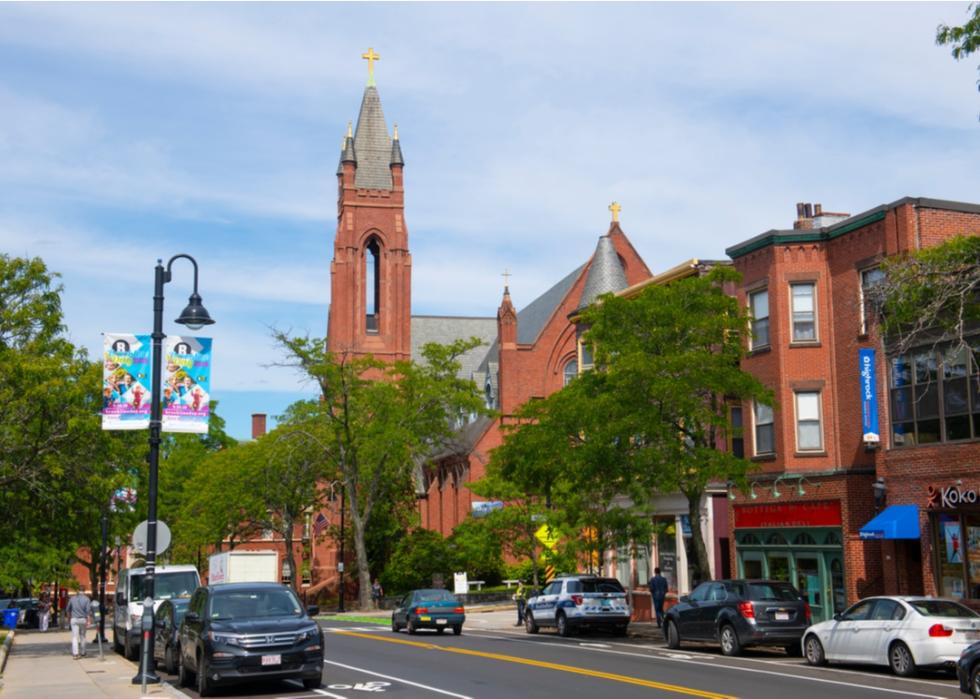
column 491, row 660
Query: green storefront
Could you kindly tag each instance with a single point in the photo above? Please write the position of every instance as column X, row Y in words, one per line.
column 799, row 543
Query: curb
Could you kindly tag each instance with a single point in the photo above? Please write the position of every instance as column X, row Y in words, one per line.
column 174, row 691
column 5, row 650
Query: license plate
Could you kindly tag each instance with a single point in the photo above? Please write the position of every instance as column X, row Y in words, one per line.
column 782, row 616
column 272, row 660
column 440, row 621
column 606, row 603
column 425, row 618
column 971, row 635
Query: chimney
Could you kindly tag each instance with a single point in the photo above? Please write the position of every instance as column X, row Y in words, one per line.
column 258, row 425
column 799, row 210
column 808, row 211
column 817, row 210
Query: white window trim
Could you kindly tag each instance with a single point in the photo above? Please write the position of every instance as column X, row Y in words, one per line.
column 796, row 421
column 792, row 311
column 755, row 432
column 752, row 318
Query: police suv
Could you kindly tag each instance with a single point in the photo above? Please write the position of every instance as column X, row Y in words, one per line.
column 573, row 602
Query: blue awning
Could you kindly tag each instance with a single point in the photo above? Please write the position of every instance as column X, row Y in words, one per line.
column 895, row 522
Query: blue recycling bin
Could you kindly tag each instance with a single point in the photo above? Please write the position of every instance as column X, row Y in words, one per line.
column 10, row 618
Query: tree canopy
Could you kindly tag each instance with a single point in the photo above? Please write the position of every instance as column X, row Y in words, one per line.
column 965, row 39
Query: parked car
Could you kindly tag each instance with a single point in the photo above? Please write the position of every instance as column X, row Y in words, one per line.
column 904, row 633
column 29, row 617
column 236, row 632
column 165, row 639
column 428, row 609
column 968, row 670
column 170, row 582
column 573, row 602
column 739, row 613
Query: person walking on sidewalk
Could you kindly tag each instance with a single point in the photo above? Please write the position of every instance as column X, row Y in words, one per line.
column 658, row 592
column 520, row 596
column 377, row 593
column 44, row 610
column 79, row 612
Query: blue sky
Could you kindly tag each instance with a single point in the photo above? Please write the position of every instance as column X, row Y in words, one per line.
column 130, row 132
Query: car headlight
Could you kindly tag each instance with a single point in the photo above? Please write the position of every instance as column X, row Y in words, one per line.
column 307, row 634
column 229, row 639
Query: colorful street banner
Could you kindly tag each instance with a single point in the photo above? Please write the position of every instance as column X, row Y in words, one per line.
column 125, row 382
column 186, row 384
column 869, row 396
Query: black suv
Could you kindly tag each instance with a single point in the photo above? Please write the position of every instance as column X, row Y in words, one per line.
column 968, row 670
column 739, row 613
column 237, row 632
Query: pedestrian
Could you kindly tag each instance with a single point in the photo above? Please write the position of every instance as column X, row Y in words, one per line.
column 44, row 611
column 377, row 592
column 520, row 597
column 658, row 592
column 79, row 612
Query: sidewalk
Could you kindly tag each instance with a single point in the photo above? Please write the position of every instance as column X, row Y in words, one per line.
column 40, row 666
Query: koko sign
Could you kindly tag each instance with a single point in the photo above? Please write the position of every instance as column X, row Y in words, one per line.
column 952, row 496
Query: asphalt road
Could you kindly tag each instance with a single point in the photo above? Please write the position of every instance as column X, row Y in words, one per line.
column 489, row 661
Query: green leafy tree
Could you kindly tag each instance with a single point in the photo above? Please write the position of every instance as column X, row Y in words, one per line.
column 930, row 296
column 965, row 40
column 375, row 421
column 475, row 547
column 418, row 557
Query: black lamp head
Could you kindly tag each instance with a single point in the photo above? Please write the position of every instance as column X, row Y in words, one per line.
column 195, row 316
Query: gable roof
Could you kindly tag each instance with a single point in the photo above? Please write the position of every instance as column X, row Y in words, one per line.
column 447, row 329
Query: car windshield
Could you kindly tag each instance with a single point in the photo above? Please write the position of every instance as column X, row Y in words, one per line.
column 596, row 585
column 249, row 604
column 165, row 585
column 434, row 596
column 772, row 592
column 938, row 607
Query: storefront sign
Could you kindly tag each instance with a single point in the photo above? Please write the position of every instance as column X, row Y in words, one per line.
column 869, row 397
column 950, row 497
column 818, row 513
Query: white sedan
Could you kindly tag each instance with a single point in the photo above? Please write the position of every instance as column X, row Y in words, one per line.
column 904, row 633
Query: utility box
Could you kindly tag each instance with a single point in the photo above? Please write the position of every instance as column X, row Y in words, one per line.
column 243, row 566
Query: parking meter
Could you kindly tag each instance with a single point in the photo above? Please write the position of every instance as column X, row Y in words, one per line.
column 96, row 616
column 146, row 626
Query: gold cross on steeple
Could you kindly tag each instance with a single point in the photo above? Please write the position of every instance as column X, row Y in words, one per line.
column 615, row 208
column 506, row 275
column 370, row 57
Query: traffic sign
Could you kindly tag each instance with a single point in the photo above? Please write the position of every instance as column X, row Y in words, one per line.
column 547, row 536
column 140, row 536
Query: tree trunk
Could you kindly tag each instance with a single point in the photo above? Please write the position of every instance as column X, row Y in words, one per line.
column 701, row 563
column 360, row 550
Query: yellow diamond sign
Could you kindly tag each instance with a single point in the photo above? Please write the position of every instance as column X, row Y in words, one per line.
column 547, row 536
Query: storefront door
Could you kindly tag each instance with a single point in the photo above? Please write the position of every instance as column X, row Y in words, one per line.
column 809, row 581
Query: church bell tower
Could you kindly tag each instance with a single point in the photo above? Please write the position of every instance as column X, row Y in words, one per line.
column 371, row 272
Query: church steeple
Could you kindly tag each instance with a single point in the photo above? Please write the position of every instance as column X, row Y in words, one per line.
column 370, row 302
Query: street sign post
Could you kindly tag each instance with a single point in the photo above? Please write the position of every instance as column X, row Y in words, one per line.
column 140, row 536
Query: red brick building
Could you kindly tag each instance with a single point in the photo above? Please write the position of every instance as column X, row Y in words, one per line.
column 802, row 516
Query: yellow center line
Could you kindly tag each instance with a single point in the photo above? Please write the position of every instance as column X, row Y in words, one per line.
column 677, row 689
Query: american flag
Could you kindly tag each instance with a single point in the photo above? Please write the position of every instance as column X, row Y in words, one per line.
column 319, row 524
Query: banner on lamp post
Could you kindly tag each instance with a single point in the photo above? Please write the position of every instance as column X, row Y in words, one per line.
column 186, row 384
column 869, row 396
column 125, row 381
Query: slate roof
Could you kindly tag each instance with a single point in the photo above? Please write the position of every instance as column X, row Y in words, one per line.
column 372, row 144
column 396, row 152
column 533, row 317
column 446, row 329
column 606, row 273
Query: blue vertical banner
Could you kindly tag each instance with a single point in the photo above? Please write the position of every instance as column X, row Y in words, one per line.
column 125, row 381
column 869, row 396
column 186, row 384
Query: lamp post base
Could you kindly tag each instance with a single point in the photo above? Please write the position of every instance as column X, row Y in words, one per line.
column 150, row 678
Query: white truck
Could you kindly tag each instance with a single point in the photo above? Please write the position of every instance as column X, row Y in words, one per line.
column 170, row 582
column 243, row 566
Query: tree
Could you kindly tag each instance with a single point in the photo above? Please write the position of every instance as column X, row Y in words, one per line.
column 965, row 40
column 375, row 421
column 417, row 558
column 931, row 296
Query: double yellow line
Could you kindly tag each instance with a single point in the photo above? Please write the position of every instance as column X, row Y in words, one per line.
column 677, row 689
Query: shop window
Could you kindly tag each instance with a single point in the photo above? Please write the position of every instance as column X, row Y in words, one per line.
column 764, row 431
column 759, row 309
column 809, row 434
column 950, row 546
column 935, row 396
column 870, row 278
column 803, row 302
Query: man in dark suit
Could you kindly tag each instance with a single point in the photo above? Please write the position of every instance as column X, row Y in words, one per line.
column 658, row 591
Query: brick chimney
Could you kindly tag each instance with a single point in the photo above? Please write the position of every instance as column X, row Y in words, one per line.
column 258, row 425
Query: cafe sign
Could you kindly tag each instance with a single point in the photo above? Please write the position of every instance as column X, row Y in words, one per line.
column 944, row 498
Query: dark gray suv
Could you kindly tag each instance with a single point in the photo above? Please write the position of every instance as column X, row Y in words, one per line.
column 739, row 613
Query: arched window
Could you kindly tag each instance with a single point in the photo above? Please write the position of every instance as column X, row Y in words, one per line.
column 372, row 284
column 571, row 371
column 804, row 539
column 775, row 539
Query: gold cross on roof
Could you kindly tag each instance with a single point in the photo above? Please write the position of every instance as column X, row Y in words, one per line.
column 506, row 275
column 615, row 208
column 370, row 57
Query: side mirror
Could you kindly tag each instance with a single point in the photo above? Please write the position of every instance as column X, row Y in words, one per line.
column 684, row 598
column 160, row 623
column 313, row 610
column 191, row 617
column 838, row 616
column 121, row 599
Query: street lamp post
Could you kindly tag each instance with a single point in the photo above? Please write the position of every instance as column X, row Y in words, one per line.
column 343, row 492
column 103, row 561
column 195, row 317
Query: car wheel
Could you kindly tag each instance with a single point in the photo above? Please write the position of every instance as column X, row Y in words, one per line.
column 620, row 630
column 562, row 623
column 457, row 629
column 793, row 650
column 729, row 640
column 168, row 661
column 312, row 683
column 900, row 660
column 131, row 650
column 673, row 637
column 183, row 674
column 395, row 628
column 529, row 624
column 412, row 629
column 116, row 645
column 204, row 686
column 975, row 681
column 814, row 651
column 440, row 629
